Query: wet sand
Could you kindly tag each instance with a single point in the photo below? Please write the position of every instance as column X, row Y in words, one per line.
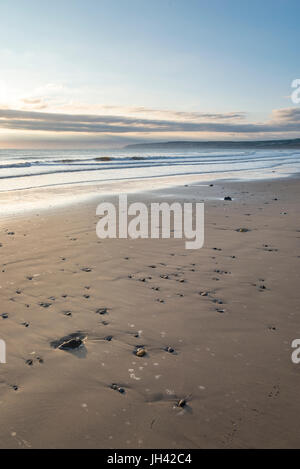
column 228, row 312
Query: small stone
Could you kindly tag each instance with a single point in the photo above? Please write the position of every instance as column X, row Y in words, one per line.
column 115, row 387
column 227, row 197
column 169, row 350
column 4, row 316
column 140, row 352
column 102, row 311
column 242, row 230
column 67, row 313
column 29, row 362
column 181, row 403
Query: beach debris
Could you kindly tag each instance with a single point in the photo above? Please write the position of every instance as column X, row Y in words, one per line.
column 242, row 230
column 67, row 313
column 217, row 301
column 169, row 349
column 140, row 352
column 25, row 324
column 70, row 342
column 115, row 387
column 227, row 197
column 45, row 304
column 102, row 311
column 29, row 362
column 181, row 403
column 220, row 310
column 203, row 293
column 4, row 316
column 86, row 269
column 108, row 338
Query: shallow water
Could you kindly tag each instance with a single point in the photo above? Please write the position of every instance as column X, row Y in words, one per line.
column 63, row 175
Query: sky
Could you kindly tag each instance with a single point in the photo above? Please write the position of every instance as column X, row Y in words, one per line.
column 106, row 73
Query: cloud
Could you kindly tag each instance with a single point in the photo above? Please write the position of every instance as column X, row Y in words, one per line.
column 283, row 120
column 287, row 115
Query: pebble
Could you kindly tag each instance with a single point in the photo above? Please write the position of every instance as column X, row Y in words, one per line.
column 140, row 352
column 181, row 403
column 102, row 311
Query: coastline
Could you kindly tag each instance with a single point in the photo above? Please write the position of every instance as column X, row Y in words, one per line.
column 25, row 202
column 233, row 368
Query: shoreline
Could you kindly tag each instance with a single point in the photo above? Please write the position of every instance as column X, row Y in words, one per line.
column 62, row 197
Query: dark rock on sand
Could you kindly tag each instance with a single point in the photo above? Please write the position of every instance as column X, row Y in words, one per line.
column 102, row 311
column 181, row 403
column 115, row 387
column 227, row 197
column 70, row 342
column 108, row 338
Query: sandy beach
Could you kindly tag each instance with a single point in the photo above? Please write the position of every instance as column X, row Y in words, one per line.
column 216, row 325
